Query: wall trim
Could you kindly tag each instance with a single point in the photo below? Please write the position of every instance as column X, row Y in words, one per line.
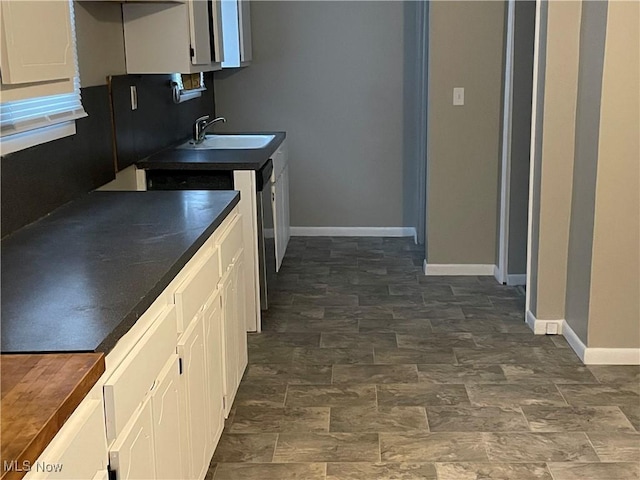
column 539, row 327
column 457, row 269
column 516, row 279
column 588, row 355
column 497, row 273
column 354, row 232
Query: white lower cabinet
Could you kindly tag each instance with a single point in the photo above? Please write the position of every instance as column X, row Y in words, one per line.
column 191, row 350
column 132, row 455
column 169, row 441
column 158, row 412
column 280, row 202
column 215, row 376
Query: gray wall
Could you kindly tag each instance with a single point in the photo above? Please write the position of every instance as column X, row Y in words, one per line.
column 331, row 75
column 466, row 44
column 525, row 15
column 592, row 43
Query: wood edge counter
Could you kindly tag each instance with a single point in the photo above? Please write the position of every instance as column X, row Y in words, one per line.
column 39, row 392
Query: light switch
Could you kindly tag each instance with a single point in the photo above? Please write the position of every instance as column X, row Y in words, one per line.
column 458, row 96
column 134, row 97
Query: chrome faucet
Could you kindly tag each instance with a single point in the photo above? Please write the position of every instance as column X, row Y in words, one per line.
column 201, row 126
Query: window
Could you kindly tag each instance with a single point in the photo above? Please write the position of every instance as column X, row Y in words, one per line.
column 36, row 120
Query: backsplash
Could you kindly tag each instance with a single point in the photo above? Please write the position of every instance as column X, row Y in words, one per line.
column 40, row 179
column 157, row 122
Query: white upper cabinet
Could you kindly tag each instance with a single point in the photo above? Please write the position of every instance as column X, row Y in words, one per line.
column 37, row 41
column 173, row 37
column 236, row 31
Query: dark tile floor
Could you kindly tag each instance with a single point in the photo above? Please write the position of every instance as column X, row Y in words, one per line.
column 368, row 370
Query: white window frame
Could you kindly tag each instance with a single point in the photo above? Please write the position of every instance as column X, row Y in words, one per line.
column 47, row 125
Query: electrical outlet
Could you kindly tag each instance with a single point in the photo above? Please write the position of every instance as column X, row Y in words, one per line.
column 458, row 96
column 552, row 328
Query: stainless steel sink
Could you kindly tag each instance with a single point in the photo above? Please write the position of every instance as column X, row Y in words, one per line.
column 229, row 142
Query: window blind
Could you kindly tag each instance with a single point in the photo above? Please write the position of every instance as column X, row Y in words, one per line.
column 30, row 114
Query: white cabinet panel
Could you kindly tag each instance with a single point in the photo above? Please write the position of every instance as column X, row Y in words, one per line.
column 132, row 455
column 213, row 345
column 37, row 41
column 199, row 31
column 229, row 337
column 79, row 448
column 169, row 441
column 191, row 349
column 134, row 377
column 242, row 287
column 280, row 197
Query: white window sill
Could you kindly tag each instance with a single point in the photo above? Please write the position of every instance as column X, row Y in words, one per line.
column 20, row 141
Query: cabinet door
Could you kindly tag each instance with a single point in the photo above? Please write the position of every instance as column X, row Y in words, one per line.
column 244, row 23
column 199, row 30
column 169, row 443
column 241, row 289
column 215, row 378
column 194, row 388
column 229, row 337
column 286, row 218
column 38, row 41
column 133, row 455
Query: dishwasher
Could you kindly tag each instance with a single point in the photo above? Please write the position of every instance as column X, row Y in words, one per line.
column 167, row 179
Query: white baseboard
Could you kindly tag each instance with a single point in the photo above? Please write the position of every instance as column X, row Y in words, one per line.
column 457, row 269
column 588, row 355
column 513, row 279
column 354, row 232
column 540, row 327
column 600, row 356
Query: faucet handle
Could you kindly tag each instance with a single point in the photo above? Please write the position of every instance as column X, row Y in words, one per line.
column 203, row 118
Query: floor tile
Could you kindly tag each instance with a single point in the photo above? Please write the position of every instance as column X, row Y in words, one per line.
column 632, row 412
column 358, row 340
column 493, row 471
column 421, row 395
column 358, row 313
column 270, row 471
column 476, row 326
column 327, row 447
column 407, row 355
column 595, row 471
column 334, row 325
column 576, row 419
column 432, row 447
column 449, row 280
column 327, row 299
column 459, row 374
column 435, row 341
column 456, row 301
column 390, row 300
column 476, row 419
column 507, row 395
column 256, row 419
column 282, row 354
column 511, row 340
column 539, row 447
column 515, row 355
column 389, row 325
column 250, row 394
column 331, row 395
column 548, row 374
column 270, row 339
column 234, row 447
column 411, row 312
column 493, row 290
column 421, row 289
column 616, row 447
column 378, row 419
column 381, row 471
column 283, row 374
column 375, row 374
column 616, row 373
column 322, row 356
column 597, row 395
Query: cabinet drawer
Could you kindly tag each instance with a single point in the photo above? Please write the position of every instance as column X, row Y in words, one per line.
column 200, row 282
column 230, row 243
column 134, row 377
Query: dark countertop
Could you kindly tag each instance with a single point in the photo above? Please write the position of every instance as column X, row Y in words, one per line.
column 78, row 279
column 237, row 159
